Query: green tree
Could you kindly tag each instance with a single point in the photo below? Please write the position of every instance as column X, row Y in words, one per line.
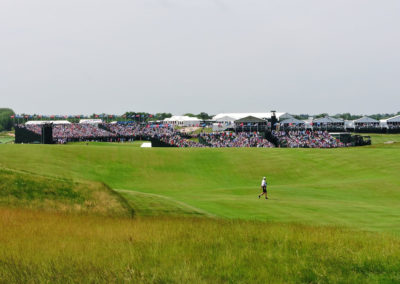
column 204, row 116
column 6, row 122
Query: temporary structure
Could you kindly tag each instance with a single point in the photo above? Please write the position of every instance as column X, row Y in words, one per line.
column 292, row 122
column 40, row 122
column 261, row 115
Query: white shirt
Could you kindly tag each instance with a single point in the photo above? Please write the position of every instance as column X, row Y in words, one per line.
column 264, row 182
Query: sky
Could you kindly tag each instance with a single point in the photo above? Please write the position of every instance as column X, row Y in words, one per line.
column 179, row 56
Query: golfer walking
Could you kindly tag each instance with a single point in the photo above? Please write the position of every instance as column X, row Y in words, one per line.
column 264, row 188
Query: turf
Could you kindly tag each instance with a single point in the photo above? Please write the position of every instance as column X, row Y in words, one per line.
column 6, row 137
column 354, row 187
column 332, row 217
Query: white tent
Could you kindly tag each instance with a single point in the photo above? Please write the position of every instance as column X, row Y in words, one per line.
column 292, row 121
column 90, row 121
column 40, row 122
column 183, row 120
column 225, row 119
column 392, row 119
column 328, row 119
column 391, row 122
column 261, row 115
column 366, row 120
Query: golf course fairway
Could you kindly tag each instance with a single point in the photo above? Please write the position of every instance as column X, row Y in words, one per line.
column 193, row 215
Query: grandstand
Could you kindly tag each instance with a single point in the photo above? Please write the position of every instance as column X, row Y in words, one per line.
column 164, row 135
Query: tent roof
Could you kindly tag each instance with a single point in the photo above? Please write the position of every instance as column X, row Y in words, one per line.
column 250, row 119
column 40, row 122
column 225, row 118
column 89, row 121
column 328, row 119
column 366, row 119
column 182, row 118
column 292, row 120
column 392, row 119
column 261, row 115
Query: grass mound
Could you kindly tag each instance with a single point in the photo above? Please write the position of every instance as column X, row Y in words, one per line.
column 26, row 190
column 188, row 250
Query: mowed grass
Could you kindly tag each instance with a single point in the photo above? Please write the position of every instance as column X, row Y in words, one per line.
column 382, row 138
column 6, row 137
column 355, row 187
column 38, row 247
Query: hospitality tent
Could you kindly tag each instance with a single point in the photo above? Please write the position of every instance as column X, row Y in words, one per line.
column 225, row 119
column 223, row 123
column 260, row 115
column 365, row 121
column 40, row 122
column 327, row 120
column 90, row 121
column 185, row 121
column 291, row 122
column 391, row 122
column 250, row 119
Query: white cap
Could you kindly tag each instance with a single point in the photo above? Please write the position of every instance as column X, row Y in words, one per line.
column 264, row 178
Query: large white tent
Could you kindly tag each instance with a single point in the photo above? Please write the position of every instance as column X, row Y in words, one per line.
column 261, row 115
column 225, row 119
column 90, row 121
column 393, row 121
column 365, row 120
column 291, row 121
column 40, row 122
column 328, row 119
column 183, row 120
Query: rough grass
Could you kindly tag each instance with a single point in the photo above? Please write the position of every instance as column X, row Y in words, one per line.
column 40, row 247
column 24, row 190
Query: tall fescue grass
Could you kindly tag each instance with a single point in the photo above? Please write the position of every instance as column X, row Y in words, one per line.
column 39, row 247
column 24, row 190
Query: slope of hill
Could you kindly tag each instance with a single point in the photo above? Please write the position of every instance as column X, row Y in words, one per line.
column 20, row 189
column 352, row 189
column 356, row 187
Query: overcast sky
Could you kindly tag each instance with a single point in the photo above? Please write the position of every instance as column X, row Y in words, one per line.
column 94, row 56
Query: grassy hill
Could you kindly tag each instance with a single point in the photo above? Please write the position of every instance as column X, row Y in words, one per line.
column 20, row 189
column 332, row 217
column 357, row 187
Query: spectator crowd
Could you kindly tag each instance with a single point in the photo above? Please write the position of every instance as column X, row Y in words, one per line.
column 63, row 133
column 306, row 139
column 232, row 139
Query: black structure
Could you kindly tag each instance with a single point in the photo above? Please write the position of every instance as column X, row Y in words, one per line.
column 23, row 135
column 274, row 120
column 47, row 133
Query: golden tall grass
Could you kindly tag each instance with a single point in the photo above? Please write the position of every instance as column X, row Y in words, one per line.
column 50, row 247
